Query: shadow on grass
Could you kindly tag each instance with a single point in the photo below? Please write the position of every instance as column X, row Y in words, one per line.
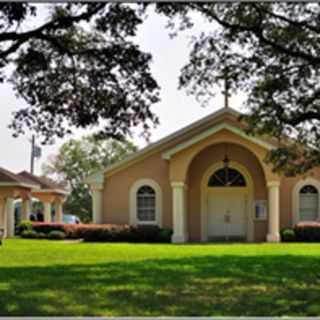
column 199, row 286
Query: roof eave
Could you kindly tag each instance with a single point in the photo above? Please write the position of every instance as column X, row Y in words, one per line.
column 92, row 178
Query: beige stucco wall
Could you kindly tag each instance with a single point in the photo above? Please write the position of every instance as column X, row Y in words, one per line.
column 199, row 166
column 117, row 183
column 189, row 165
column 117, row 186
column 117, row 189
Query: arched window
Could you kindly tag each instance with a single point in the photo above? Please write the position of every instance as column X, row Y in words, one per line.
column 227, row 177
column 309, row 203
column 146, row 204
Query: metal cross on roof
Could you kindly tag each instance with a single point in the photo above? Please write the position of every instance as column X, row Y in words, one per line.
column 225, row 92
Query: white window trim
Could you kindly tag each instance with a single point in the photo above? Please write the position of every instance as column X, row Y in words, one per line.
column 133, row 202
column 296, row 197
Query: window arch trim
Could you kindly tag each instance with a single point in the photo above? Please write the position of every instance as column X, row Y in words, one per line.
column 133, row 202
column 296, row 197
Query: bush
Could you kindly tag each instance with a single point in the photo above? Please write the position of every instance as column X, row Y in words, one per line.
column 56, row 235
column 145, row 234
column 165, row 235
column 72, row 231
column 104, row 232
column 29, row 234
column 124, row 233
column 41, row 235
column 307, row 232
column 46, row 227
column 288, row 235
column 24, row 225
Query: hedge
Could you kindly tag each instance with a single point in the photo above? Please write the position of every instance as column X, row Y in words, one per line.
column 106, row 232
column 47, row 227
column 307, row 232
column 149, row 234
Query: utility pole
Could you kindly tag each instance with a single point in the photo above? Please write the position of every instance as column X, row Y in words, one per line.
column 32, row 154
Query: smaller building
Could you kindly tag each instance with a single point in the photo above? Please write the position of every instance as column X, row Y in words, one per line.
column 25, row 186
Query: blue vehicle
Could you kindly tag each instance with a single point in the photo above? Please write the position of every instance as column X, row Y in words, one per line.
column 70, row 218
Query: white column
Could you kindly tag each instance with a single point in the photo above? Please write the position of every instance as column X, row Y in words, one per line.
column 58, row 212
column 47, row 211
column 26, row 209
column 3, row 218
column 10, row 217
column 179, row 212
column 274, row 211
column 97, row 192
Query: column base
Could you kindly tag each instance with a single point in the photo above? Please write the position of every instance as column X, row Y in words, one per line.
column 179, row 239
column 273, row 237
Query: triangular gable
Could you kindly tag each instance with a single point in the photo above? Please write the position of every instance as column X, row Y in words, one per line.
column 203, row 135
column 154, row 147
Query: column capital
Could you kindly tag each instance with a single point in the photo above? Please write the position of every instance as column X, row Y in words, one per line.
column 178, row 184
column 271, row 184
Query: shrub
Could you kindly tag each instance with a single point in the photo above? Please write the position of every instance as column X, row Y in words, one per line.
column 23, row 226
column 145, row 233
column 105, row 232
column 41, row 235
column 308, row 232
column 288, row 235
column 124, row 233
column 56, row 235
column 29, row 234
column 165, row 235
column 46, row 227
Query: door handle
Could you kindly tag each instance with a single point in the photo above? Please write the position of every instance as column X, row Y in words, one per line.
column 227, row 217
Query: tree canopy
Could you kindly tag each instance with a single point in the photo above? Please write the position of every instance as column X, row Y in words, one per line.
column 76, row 160
column 80, row 67
column 270, row 51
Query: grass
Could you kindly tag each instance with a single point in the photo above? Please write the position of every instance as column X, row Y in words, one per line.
column 52, row 278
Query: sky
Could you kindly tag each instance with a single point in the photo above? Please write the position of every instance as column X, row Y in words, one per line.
column 175, row 110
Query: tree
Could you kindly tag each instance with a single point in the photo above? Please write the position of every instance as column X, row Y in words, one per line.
column 76, row 160
column 81, row 67
column 271, row 51
column 76, row 67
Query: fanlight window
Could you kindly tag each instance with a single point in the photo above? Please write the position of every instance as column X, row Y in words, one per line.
column 309, row 203
column 146, row 204
column 227, row 177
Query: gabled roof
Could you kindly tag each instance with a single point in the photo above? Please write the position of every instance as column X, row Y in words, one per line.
column 45, row 184
column 8, row 178
column 98, row 176
column 222, row 126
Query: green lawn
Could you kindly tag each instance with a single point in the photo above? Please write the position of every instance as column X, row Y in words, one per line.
column 39, row 277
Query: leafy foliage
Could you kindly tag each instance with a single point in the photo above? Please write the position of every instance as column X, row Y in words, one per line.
column 76, row 160
column 56, row 235
column 77, row 68
column 270, row 51
column 307, row 232
column 81, row 67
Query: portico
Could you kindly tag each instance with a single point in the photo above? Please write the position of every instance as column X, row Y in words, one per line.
column 26, row 186
column 217, row 182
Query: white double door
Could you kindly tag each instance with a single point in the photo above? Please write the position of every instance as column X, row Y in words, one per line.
column 227, row 213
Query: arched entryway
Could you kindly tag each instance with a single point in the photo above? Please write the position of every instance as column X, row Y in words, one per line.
column 227, row 203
